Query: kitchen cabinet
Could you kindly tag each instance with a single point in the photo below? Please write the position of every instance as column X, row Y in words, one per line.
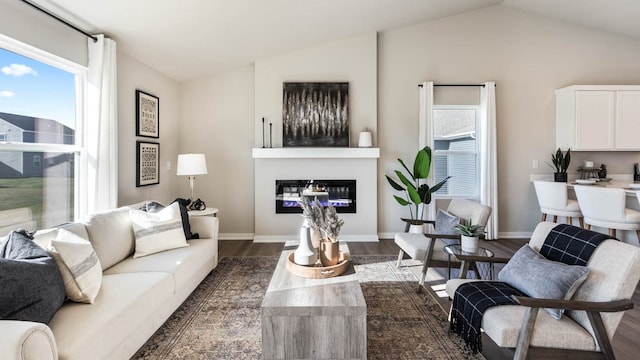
column 598, row 118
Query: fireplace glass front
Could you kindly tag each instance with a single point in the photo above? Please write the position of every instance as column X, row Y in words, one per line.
column 341, row 194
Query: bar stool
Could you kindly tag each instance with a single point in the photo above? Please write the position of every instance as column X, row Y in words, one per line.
column 605, row 207
column 553, row 200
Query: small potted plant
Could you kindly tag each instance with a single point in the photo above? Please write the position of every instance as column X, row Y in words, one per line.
column 560, row 165
column 470, row 235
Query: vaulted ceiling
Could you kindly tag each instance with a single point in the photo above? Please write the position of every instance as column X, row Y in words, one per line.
column 189, row 38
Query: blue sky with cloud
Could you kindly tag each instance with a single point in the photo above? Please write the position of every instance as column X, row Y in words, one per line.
column 32, row 88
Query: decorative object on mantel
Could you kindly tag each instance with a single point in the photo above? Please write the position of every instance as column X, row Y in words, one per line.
column 416, row 192
column 365, row 138
column 315, row 114
column 270, row 135
column 264, row 145
column 470, row 235
column 560, row 164
column 327, row 222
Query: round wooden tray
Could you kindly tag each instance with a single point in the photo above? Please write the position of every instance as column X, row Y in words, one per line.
column 318, row 271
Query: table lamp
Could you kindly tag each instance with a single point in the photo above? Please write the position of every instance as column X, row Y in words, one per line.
column 191, row 165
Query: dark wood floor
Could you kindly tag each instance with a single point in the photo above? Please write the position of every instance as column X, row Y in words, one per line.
column 626, row 341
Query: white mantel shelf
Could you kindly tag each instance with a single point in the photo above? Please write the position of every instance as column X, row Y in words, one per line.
column 315, row 153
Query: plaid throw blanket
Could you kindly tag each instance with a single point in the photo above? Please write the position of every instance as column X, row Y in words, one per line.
column 571, row 245
column 564, row 243
column 469, row 304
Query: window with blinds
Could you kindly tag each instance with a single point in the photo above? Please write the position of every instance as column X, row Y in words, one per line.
column 456, row 150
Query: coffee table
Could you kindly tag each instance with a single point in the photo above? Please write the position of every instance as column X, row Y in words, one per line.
column 313, row 318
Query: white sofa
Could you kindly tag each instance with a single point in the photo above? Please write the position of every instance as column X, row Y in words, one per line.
column 135, row 298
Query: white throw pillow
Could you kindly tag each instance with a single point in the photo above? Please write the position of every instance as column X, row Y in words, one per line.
column 78, row 265
column 155, row 232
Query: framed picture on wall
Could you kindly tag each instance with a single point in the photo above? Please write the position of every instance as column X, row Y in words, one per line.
column 147, row 115
column 147, row 163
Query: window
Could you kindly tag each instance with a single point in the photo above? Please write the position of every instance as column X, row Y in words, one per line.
column 40, row 97
column 456, row 150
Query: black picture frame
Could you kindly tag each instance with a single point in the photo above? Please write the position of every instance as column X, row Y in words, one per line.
column 147, row 163
column 315, row 114
column 147, row 115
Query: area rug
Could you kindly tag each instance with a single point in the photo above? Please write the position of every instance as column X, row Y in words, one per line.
column 221, row 318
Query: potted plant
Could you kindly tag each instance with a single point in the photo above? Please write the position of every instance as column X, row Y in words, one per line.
column 324, row 220
column 416, row 192
column 560, row 165
column 469, row 235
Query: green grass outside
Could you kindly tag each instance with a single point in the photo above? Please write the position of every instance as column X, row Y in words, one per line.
column 26, row 192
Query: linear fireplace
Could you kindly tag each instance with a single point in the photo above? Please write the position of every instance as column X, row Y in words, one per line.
column 341, row 194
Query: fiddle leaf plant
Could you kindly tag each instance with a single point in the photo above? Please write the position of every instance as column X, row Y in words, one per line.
column 415, row 191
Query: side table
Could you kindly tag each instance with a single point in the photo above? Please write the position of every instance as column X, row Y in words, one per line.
column 468, row 260
column 206, row 212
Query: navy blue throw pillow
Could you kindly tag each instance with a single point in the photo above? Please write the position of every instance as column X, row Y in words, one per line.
column 32, row 288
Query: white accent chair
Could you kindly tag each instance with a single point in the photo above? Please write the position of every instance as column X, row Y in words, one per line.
column 429, row 247
column 554, row 200
column 605, row 207
column 591, row 318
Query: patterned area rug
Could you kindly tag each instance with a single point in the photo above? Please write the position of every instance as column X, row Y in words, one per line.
column 221, row 318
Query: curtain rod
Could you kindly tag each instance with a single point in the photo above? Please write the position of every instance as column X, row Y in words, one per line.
column 60, row 19
column 482, row 85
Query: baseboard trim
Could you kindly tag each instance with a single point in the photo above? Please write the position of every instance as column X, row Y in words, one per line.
column 235, row 236
column 284, row 238
column 515, row 235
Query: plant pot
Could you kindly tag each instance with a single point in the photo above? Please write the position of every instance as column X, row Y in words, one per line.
column 469, row 243
column 560, row 177
column 329, row 253
column 416, row 228
column 304, row 254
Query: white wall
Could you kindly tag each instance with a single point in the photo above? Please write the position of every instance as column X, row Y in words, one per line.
column 134, row 75
column 529, row 57
column 21, row 22
column 217, row 120
column 350, row 60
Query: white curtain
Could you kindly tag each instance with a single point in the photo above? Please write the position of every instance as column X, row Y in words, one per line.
column 488, row 156
column 101, row 127
column 425, row 135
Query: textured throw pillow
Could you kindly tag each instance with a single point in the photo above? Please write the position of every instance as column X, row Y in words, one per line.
column 446, row 223
column 539, row 277
column 155, row 232
column 78, row 265
column 30, row 284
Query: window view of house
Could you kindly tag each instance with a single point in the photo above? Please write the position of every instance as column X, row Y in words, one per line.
column 456, row 150
column 37, row 137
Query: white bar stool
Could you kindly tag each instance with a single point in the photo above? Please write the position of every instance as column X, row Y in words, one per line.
column 553, row 200
column 605, row 207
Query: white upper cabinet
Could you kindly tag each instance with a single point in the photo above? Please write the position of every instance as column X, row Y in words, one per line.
column 598, row 118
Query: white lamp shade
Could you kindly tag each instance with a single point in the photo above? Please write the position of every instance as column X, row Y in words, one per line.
column 191, row 164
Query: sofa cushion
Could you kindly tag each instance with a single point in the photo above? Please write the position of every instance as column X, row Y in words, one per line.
column 155, row 232
column 31, row 286
column 182, row 262
column 539, row 277
column 78, row 265
column 111, row 235
column 125, row 301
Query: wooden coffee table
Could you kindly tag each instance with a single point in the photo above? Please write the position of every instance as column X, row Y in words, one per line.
column 313, row 318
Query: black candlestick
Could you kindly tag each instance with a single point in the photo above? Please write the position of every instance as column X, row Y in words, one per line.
column 263, row 144
column 270, row 135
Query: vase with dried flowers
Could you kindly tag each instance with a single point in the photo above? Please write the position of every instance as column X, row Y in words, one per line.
column 324, row 220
